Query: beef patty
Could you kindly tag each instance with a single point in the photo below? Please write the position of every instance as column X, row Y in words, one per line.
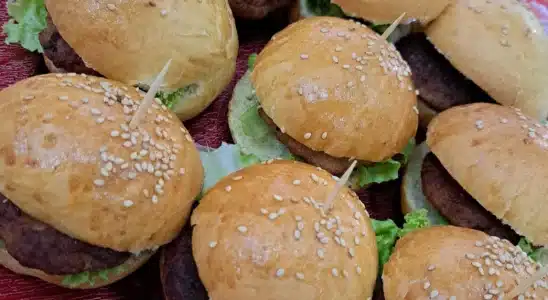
column 456, row 205
column 440, row 85
column 37, row 245
column 61, row 55
column 179, row 272
column 334, row 165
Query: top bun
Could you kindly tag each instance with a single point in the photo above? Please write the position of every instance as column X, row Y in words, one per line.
column 501, row 46
column 335, row 86
column 131, row 41
column 69, row 160
column 387, row 11
column 260, row 234
column 500, row 157
column 448, row 262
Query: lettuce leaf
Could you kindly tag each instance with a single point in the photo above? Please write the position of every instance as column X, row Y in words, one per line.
column 310, row 8
column 75, row 280
column 249, row 131
column 220, row 162
column 384, row 171
column 28, row 19
column 537, row 254
column 172, row 98
column 251, row 61
column 387, row 232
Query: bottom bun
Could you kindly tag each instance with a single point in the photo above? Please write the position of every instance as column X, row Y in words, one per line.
column 412, row 196
column 85, row 280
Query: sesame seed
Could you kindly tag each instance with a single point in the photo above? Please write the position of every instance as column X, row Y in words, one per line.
column 335, row 59
column 236, row 178
column 212, row 244
column 346, row 66
column 358, row 269
column 320, row 252
column 324, row 30
column 228, row 188
column 357, row 240
column 299, row 275
column 242, row 229
column 111, row 6
column 264, row 211
column 479, row 124
column 99, row 182
column 95, row 112
column 28, row 97
column 476, row 264
column 345, row 273
column 128, row 203
column 272, row 216
column 426, row 285
column 297, row 234
column 280, row 272
column 307, row 135
column 434, row 294
column 335, row 272
column 304, row 56
column 114, row 133
column 163, row 12
column 181, row 171
column 63, row 98
column 431, row 268
column 453, row 298
column 154, row 199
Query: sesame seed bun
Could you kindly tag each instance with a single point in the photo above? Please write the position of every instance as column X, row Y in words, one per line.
column 501, row 46
column 500, row 157
column 309, row 84
column 387, row 11
column 256, row 236
column 69, row 160
column 447, row 262
column 130, row 266
column 131, row 41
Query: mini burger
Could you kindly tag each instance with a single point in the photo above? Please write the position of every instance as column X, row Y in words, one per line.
column 86, row 200
column 483, row 167
column 377, row 14
column 447, row 262
column 264, row 232
column 130, row 40
column 476, row 51
column 328, row 91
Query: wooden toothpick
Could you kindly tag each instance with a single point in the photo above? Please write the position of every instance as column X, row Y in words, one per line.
column 392, row 27
column 527, row 283
column 149, row 97
column 340, row 183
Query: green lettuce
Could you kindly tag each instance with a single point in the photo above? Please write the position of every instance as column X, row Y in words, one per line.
column 538, row 254
column 172, row 98
column 384, row 171
column 387, row 232
column 28, row 19
column 220, row 162
column 75, row 280
column 249, row 130
column 311, row 8
column 251, row 61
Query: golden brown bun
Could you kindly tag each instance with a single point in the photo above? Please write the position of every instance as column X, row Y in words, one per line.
column 130, row 266
column 387, row 11
column 501, row 46
column 244, row 261
column 132, row 41
column 52, row 158
column 337, row 113
column 500, row 157
column 446, row 261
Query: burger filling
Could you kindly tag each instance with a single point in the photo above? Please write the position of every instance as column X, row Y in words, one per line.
column 452, row 201
column 32, row 28
column 440, row 85
column 36, row 245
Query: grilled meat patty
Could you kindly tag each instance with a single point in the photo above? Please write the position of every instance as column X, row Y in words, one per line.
column 37, row 245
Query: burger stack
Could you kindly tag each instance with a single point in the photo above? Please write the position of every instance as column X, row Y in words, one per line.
column 451, row 103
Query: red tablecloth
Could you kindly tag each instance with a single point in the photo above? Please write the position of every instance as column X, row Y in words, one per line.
column 210, row 128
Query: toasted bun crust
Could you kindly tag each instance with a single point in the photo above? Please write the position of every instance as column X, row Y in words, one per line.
column 130, row 266
column 449, row 261
column 133, row 40
column 245, row 246
column 500, row 157
column 53, row 166
column 310, row 85
column 501, row 46
column 387, row 11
